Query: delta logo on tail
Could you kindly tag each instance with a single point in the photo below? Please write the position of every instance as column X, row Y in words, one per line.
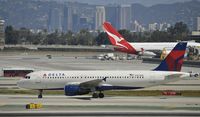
column 174, row 60
column 117, row 40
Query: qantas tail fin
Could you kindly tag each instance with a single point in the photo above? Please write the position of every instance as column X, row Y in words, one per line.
column 113, row 35
column 174, row 60
column 117, row 40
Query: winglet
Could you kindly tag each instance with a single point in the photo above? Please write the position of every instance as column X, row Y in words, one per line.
column 174, row 60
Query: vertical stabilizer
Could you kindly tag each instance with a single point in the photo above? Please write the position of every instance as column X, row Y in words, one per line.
column 117, row 40
column 174, row 60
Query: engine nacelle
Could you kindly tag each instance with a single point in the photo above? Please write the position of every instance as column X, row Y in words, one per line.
column 73, row 89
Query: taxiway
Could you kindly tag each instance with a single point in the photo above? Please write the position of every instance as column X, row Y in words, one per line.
column 16, row 103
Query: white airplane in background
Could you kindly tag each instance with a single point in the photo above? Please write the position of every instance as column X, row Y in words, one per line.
column 142, row 49
column 83, row 82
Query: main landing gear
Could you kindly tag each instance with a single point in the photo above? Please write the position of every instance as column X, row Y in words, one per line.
column 98, row 95
column 40, row 93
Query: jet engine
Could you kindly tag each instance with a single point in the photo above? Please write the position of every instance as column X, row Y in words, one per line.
column 73, row 88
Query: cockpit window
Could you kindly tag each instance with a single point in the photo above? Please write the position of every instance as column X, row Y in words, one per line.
column 27, row 77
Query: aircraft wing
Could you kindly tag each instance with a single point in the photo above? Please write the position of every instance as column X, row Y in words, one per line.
column 92, row 83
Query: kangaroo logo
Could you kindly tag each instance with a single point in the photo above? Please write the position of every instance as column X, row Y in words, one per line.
column 116, row 39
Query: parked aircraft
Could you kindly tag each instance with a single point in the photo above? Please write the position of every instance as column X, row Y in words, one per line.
column 142, row 49
column 83, row 82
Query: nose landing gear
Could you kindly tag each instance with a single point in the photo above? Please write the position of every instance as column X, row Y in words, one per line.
column 40, row 93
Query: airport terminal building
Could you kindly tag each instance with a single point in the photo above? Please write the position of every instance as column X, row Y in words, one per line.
column 16, row 72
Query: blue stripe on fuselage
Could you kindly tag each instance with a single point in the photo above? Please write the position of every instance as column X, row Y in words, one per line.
column 105, row 88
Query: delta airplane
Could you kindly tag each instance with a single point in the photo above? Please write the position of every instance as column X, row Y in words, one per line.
column 83, row 82
column 142, row 49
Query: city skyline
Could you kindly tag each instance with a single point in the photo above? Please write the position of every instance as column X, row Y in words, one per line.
column 75, row 16
column 143, row 2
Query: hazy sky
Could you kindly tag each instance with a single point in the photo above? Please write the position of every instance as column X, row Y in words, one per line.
column 144, row 2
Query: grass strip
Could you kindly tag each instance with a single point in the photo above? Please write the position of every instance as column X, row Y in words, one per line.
column 191, row 93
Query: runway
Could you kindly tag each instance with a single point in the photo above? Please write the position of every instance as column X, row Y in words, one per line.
column 14, row 105
column 109, row 106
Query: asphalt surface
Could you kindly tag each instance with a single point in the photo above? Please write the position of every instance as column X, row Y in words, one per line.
column 11, row 105
column 72, row 61
column 85, row 104
column 104, row 114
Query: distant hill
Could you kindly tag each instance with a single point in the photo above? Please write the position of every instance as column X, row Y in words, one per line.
column 171, row 13
column 34, row 13
column 26, row 13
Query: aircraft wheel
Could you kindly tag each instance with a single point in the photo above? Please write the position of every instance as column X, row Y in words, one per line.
column 39, row 96
column 95, row 95
column 101, row 95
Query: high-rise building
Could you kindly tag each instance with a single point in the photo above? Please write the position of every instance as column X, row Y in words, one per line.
column 153, row 27
column 125, row 17
column 2, row 36
column 138, row 27
column 112, row 15
column 67, row 20
column 100, row 17
column 55, row 22
column 76, row 22
column 84, row 23
column 198, row 23
column 159, row 26
column 163, row 26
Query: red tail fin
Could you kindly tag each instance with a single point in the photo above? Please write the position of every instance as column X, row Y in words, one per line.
column 117, row 40
column 174, row 60
column 114, row 36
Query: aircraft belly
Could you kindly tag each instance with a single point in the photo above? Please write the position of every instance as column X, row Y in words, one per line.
column 130, row 83
column 56, row 84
